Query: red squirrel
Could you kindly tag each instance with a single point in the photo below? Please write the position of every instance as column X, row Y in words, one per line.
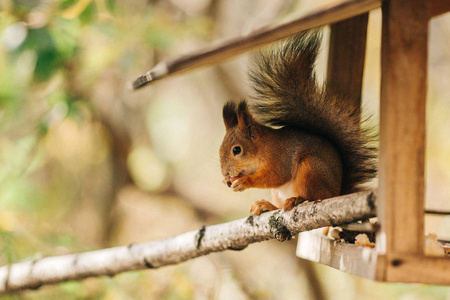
column 293, row 136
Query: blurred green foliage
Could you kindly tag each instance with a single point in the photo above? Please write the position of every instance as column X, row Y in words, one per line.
column 53, row 54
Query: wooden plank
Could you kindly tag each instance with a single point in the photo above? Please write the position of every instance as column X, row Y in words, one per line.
column 438, row 7
column 357, row 260
column 341, row 11
column 402, row 126
column 366, row 262
column 346, row 58
column 418, row 269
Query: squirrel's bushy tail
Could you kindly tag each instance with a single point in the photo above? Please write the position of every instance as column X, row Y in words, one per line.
column 286, row 94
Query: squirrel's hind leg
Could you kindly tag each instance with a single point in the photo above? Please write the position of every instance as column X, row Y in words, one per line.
column 316, row 179
column 292, row 202
column 262, row 206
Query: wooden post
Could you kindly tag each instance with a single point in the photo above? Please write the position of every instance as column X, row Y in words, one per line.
column 438, row 7
column 402, row 126
column 346, row 58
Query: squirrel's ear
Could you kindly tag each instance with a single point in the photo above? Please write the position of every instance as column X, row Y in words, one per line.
column 244, row 118
column 229, row 115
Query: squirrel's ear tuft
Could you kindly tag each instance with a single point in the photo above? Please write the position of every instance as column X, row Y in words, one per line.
column 243, row 116
column 229, row 115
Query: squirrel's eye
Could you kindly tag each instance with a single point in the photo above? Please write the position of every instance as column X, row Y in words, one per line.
column 237, row 150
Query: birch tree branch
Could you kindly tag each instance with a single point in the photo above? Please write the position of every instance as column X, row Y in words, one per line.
column 235, row 235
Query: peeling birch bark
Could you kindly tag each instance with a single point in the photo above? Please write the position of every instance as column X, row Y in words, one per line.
column 235, row 235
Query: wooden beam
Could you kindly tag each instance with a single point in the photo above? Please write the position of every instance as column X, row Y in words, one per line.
column 346, row 58
column 418, row 269
column 402, row 126
column 339, row 12
column 438, row 7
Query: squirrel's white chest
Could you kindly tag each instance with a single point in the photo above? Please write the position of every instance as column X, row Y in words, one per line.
column 282, row 193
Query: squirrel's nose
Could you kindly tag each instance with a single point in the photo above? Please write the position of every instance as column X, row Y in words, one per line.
column 225, row 171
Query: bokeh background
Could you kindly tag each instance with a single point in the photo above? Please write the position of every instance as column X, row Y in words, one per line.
column 85, row 163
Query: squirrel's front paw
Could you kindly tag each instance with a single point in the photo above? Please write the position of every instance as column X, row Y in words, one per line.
column 238, row 185
column 261, row 206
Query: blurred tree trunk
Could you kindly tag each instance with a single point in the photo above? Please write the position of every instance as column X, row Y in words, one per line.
column 113, row 115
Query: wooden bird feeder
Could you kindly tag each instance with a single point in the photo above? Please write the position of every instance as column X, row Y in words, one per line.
column 399, row 252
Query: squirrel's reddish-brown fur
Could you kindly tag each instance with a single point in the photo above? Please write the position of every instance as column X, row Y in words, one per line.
column 292, row 136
